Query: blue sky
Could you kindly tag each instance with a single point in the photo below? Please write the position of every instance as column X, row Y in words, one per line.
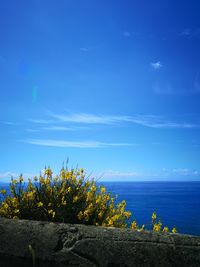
column 112, row 85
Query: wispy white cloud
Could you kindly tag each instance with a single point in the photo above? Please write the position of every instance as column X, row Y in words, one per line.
column 7, row 175
column 143, row 120
column 151, row 175
column 9, row 122
column 156, row 65
column 42, row 121
column 58, row 128
column 159, row 122
column 73, row 144
column 63, row 128
column 180, row 172
column 186, row 172
column 89, row 118
column 120, row 174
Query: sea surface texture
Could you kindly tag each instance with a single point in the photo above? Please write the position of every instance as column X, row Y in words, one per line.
column 176, row 203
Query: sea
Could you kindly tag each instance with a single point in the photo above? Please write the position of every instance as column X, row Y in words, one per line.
column 175, row 203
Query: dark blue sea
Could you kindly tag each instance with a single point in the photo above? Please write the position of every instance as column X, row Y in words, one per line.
column 176, row 203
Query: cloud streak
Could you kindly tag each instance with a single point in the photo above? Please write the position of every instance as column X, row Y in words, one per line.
column 58, row 128
column 158, row 122
column 42, row 121
column 150, row 121
column 120, row 174
column 8, row 175
column 9, row 123
column 73, row 144
column 90, row 118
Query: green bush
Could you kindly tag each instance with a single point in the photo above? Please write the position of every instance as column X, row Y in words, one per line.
column 68, row 198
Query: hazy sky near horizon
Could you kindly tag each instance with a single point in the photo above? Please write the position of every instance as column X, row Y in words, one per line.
column 113, row 85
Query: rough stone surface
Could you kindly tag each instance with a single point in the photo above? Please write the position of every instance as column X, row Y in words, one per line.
column 59, row 245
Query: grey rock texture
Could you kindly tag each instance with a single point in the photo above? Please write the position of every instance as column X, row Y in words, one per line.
column 59, row 245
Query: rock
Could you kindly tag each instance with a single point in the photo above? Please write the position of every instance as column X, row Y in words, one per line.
column 59, row 245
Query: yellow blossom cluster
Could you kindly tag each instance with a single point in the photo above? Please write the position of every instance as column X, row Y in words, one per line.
column 157, row 225
column 70, row 198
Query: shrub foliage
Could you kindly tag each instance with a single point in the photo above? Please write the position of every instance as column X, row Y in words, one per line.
column 69, row 198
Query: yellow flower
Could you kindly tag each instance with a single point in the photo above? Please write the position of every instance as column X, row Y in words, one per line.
column 75, row 199
column 90, row 206
column 165, row 229
column 80, row 215
column 3, row 191
column 89, row 196
column 127, row 214
column 51, row 212
column 154, row 216
column 93, row 188
column 98, row 199
column 16, row 211
column 48, row 172
column 134, row 225
column 86, row 215
column 174, row 230
column 30, row 194
column 67, row 175
column 107, row 197
column 14, row 201
column 100, row 215
column 110, row 222
column 47, row 181
column 157, row 227
column 30, row 186
column 40, row 204
column 69, row 189
column 41, row 180
column 20, row 179
column 5, row 205
column 103, row 190
column 73, row 178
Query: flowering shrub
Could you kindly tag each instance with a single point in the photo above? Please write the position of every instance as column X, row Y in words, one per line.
column 68, row 198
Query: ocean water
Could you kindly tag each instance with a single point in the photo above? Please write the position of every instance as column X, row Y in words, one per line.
column 176, row 203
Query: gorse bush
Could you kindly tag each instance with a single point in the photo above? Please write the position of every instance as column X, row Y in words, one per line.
column 68, row 198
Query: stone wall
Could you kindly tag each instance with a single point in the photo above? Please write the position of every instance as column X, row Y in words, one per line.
column 55, row 244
